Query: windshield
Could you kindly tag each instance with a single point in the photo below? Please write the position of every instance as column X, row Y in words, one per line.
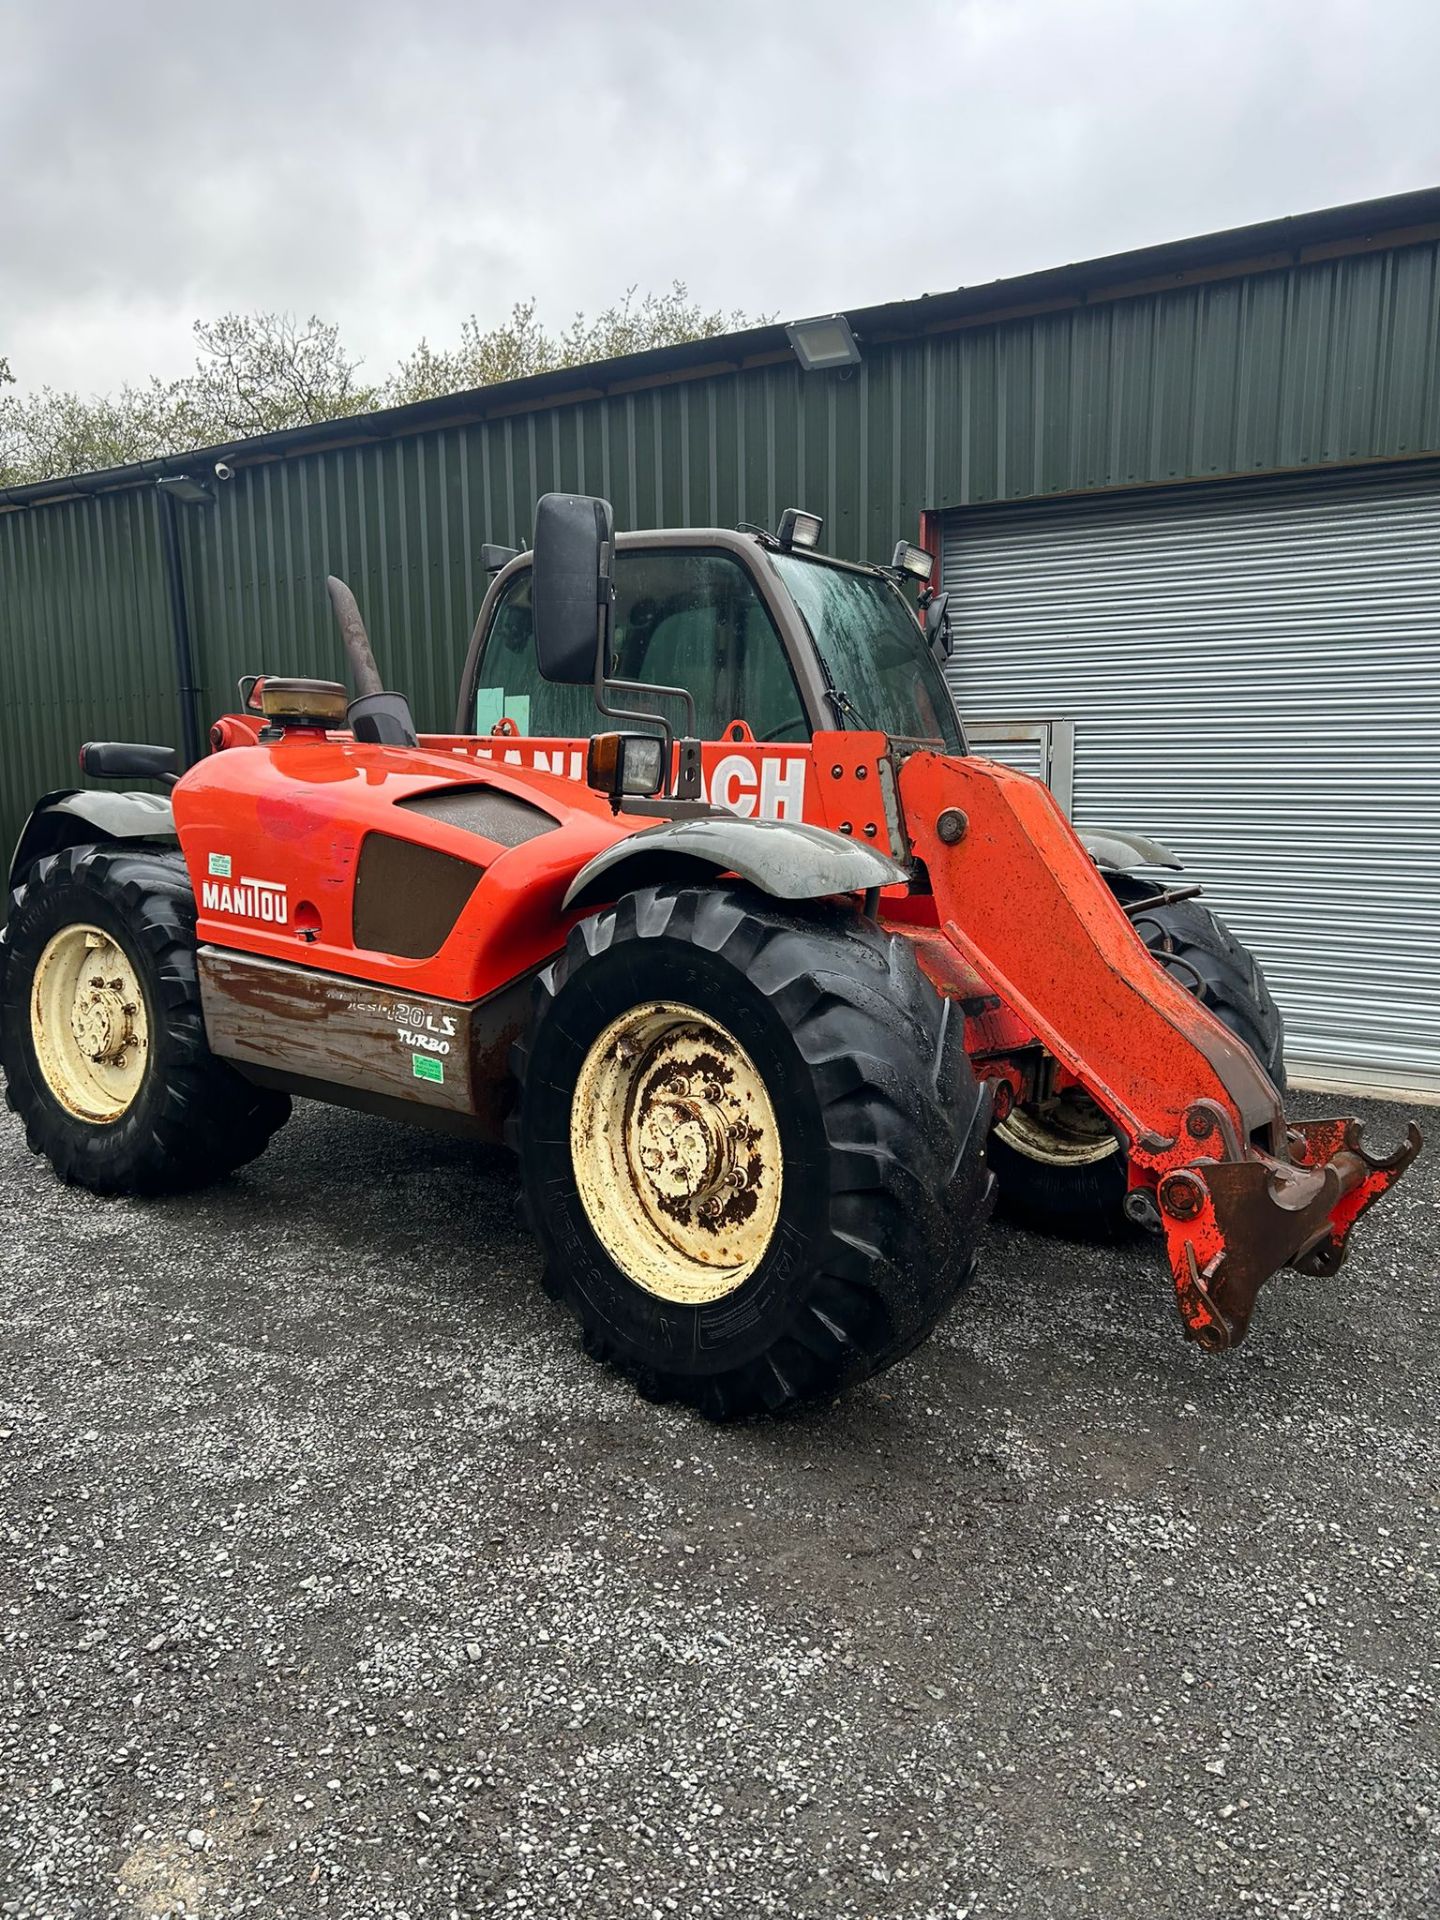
column 878, row 660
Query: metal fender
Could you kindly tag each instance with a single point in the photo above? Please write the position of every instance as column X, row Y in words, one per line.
column 784, row 858
column 66, row 819
column 1108, row 847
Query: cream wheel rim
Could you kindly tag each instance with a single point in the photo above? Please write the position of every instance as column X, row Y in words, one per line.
column 89, row 1025
column 676, row 1153
column 1074, row 1138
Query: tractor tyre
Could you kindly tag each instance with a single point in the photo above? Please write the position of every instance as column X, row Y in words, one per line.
column 1065, row 1172
column 102, row 1038
column 752, row 1146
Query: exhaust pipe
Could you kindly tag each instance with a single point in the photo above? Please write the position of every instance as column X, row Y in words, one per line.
column 376, row 717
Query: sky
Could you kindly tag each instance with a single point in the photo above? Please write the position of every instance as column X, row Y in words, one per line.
column 396, row 168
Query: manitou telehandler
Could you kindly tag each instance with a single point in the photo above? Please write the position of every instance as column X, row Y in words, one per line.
column 767, row 986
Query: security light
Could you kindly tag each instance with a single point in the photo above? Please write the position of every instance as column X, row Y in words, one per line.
column 824, row 343
column 194, row 493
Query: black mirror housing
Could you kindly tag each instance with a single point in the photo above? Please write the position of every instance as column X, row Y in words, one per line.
column 937, row 627
column 570, row 587
column 127, row 760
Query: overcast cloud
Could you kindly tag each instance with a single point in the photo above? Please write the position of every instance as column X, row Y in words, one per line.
column 395, row 168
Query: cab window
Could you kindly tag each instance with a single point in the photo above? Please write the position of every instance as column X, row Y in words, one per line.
column 681, row 619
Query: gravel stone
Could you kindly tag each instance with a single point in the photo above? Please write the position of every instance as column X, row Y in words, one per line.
column 335, row 1580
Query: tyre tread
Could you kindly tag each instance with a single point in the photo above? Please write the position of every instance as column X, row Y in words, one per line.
column 207, row 1119
column 904, row 1119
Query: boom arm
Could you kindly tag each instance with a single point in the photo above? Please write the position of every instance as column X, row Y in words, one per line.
column 1239, row 1194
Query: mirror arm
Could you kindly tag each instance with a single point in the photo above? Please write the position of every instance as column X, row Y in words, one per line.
column 604, row 686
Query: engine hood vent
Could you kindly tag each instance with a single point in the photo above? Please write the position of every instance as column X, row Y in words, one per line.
column 485, row 812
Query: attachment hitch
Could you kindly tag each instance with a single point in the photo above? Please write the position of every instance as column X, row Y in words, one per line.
column 1230, row 1223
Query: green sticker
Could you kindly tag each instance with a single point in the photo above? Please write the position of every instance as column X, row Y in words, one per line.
column 424, row 1068
column 220, row 866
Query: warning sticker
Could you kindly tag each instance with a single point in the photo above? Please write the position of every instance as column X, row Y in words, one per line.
column 424, row 1068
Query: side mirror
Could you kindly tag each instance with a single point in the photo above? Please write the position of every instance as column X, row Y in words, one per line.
column 570, row 586
column 937, row 627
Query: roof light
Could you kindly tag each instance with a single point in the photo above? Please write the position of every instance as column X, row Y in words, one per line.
column 913, row 560
column 799, row 529
column 824, row 343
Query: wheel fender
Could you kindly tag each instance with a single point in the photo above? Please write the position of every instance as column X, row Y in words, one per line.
column 1122, row 852
column 66, row 818
column 787, row 859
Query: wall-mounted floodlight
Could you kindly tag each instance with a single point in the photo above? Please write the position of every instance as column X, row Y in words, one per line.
column 824, row 343
column 194, row 493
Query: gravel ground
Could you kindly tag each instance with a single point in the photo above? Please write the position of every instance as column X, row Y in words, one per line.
column 334, row 1578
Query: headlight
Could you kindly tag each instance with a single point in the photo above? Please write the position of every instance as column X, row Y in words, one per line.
column 620, row 764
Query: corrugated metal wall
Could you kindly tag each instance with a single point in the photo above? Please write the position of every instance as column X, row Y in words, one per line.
column 1254, row 677
column 85, row 647
column 1322, row 364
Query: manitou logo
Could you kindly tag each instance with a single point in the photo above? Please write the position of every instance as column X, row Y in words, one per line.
column 770, row 786
column 775, row 789
column 263, row 900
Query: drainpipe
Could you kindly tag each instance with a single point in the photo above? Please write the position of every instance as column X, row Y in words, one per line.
column 179, row 626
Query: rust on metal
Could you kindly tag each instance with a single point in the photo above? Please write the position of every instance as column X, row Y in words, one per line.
column 676, row 1151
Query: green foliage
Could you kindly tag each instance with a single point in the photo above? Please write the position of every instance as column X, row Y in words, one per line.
column 259, row 373
column 521, row 346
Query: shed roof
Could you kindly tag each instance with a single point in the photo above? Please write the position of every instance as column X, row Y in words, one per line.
column 1267, row 246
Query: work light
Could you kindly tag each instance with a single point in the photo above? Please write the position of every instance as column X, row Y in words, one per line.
column 798, row 528
column 621, row 764
column 913, row 560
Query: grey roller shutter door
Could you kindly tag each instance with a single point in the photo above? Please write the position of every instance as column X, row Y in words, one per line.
column 1254, row 677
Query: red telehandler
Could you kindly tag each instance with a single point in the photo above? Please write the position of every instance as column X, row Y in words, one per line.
column 767, row 985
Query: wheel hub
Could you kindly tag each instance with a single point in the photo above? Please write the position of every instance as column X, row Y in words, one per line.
column 88, row 1024
column 102, row 1020
column 685, row 1150
column 676, row 1152
column 1069, row 1132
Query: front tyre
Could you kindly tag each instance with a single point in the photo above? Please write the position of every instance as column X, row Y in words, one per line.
column 752, row 1147
column 102, row 1038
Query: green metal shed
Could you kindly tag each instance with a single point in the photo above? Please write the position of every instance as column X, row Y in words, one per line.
column 1302, row 347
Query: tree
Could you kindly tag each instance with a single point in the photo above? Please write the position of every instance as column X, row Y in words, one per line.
column 261, row 372
column 521, row 346
column 258, row 373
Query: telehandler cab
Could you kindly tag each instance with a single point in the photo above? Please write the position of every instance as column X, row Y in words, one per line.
column 766, row 986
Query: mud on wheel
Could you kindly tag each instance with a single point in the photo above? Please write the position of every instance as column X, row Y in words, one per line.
column 752, row 1146
column 101, row 1033
column 1061, row 1166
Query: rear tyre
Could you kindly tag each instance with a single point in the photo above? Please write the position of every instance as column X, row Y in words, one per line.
column 752, row 1146
column 1063, row 1169
column 102, row 1038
